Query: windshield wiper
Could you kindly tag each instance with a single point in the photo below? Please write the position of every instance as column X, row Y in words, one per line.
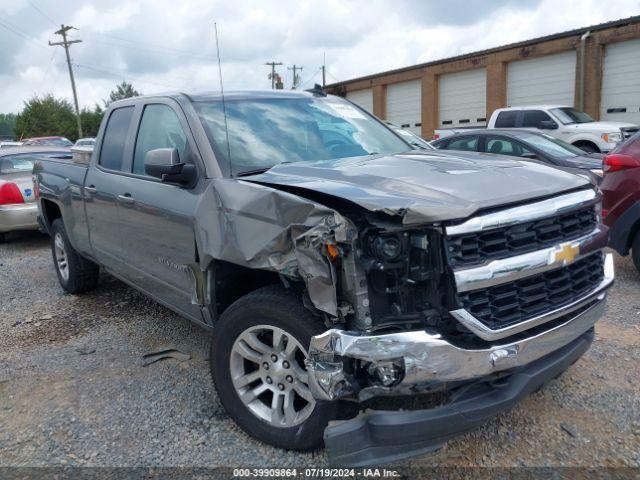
column 257, row 171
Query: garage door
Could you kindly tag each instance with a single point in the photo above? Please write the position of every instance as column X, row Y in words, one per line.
column 404, row 105
column 362, row 98
column 544, row 80
column 462, row 98
column 621, row 82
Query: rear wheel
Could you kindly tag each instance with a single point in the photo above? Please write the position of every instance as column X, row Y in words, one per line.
column 257, row 364
column 75, row 273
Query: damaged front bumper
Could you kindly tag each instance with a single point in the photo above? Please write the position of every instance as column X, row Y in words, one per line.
column 381, row 437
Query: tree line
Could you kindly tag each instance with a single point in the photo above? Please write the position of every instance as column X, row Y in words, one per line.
column 50, row 116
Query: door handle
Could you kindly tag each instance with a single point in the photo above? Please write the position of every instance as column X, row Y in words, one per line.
column 90, row 189
column 126, row 198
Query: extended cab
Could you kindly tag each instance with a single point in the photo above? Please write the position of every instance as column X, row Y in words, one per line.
column 565, row 123
column 334, row 264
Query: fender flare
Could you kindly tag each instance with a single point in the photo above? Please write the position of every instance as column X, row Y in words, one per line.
column 622, row 231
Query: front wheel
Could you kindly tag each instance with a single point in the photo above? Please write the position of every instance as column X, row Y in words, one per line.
column 257, row 364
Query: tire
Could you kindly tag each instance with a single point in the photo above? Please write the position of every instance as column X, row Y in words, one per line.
column 587, row 147
column 271, row 307
column 3, row 237
column 75, row 273
column 635, row 251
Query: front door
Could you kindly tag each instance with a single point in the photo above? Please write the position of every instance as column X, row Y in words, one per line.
column 156, row 219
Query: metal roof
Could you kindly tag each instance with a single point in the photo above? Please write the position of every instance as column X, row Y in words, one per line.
column 568, row 33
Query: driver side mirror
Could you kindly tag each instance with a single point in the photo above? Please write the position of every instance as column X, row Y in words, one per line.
column 547, row 125
column 164, row 163
column 529, row 156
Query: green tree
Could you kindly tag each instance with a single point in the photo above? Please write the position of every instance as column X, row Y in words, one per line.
column 7, row 123
column 123, row 90
column 46, row 116
column 91, row 120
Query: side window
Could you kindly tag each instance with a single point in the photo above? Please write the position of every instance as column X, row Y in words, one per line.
column 503, row 146
column 506, row 119
column 159, row 128
column 469, row 144
column 532, row 118
column 115, row 136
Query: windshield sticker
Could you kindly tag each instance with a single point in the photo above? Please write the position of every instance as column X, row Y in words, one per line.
column 347, row 110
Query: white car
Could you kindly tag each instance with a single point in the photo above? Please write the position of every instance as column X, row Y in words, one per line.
column 565, row 123
column 7, row 144
column 85, row 142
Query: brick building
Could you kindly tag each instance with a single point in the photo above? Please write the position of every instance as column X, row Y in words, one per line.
column 596, row 69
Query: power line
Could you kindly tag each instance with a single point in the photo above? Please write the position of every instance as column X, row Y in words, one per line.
column 66, row 44
column 155, row 48
column 120, row 75
column 16, row 31
column 43, row 14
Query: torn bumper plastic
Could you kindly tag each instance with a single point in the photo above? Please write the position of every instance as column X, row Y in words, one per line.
column 427, row 361
column 382, row 437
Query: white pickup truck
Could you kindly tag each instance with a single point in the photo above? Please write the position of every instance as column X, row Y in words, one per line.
column 565, row 123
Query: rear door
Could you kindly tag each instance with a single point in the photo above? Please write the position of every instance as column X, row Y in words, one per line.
column 102, row 186
column 157, row 219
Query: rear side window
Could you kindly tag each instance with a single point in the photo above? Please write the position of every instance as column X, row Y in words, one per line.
column 468, row 144
column 506, row 119
column 115, row 136
column 502, row 146
column 532, row 118
column 159, row 128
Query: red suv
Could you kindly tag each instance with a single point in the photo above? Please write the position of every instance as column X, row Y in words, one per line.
column 621, row 202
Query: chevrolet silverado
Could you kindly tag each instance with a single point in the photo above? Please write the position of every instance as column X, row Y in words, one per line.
column 335, row 264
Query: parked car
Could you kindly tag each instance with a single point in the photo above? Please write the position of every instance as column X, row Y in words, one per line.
column 333, row 263
column 8, row 143
column 411, row 138
column 85, row 142
column 48, row 141
column 621, row 200
column 527, row 145
column 566, row 123
column 18, row 209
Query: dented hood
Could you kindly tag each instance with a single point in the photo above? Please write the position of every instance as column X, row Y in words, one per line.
column 424, row 186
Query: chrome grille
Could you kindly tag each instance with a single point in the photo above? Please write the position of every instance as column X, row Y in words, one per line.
column 475, row 248
column 514, row 302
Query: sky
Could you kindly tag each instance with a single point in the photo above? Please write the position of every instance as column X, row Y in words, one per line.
column 168, row 45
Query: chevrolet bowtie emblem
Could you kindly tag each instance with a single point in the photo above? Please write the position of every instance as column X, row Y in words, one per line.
column 568, row 253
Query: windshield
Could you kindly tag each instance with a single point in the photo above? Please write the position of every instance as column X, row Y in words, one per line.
column 265, row 132
column 552, row 146
column 568, row 115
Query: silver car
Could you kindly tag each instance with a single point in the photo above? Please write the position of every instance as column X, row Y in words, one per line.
column 18, row 209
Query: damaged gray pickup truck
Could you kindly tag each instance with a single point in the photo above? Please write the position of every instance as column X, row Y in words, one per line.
column 334, row 264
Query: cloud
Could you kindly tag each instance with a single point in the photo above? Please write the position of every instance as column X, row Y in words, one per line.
column 161, row 45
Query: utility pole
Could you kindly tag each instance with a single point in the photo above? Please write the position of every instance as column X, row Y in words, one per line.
column 66, row 43
column 273, row 73
column 324, row 74
column 296, row 79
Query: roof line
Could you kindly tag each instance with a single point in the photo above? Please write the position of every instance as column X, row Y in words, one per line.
column 554, row 36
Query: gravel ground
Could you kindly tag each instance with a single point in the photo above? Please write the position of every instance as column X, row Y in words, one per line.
column 74, row 391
